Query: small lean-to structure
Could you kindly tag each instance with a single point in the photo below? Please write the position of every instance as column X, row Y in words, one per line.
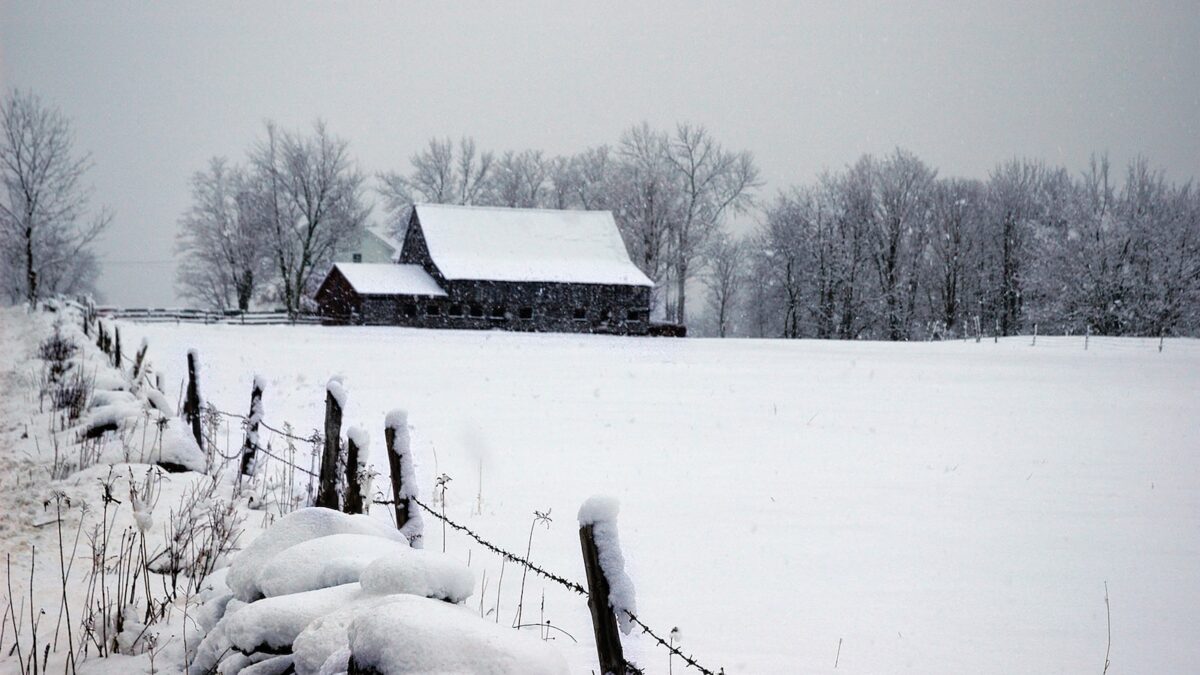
column 485, row 267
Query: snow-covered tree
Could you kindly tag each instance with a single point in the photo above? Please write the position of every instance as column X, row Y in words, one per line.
column 223, row 247
column 310, row 201
column 712, row 182
column 45, row 227
column 724, row 275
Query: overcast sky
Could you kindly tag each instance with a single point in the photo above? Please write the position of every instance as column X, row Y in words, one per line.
column 155, row 89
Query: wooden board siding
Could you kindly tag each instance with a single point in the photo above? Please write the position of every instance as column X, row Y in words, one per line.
column 337, row 299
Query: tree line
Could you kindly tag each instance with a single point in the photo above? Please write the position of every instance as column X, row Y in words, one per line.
column 885, row 249
column 249, row 232
column 882, row 249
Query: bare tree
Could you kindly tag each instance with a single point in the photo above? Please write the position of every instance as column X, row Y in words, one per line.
column 310, row 201
column 954, row 245
column 646, row 201
column 44, row 229
column 901, row 227
column 439, row 176
column 225, row 253
column 521, row 180
column 713, row 182
column 725, row 261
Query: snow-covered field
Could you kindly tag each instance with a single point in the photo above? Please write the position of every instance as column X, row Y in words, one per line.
column 931, row 507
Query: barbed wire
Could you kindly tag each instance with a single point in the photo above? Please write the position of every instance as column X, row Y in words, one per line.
column 574, row 586
column 259, row 448
column 562, row 581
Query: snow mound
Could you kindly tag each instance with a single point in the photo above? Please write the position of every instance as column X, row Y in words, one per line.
column 327, row 636
column 275, row 665
column 410, row 634
column 107, row 397
column 419, row 572
column 294, row 528
column 180, row 449
column 271, row 624
column 601, row 513
column 323, row 562
column 337, row 663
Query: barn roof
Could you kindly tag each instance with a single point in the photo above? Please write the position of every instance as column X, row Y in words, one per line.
column 503, row 244
column 389, row 279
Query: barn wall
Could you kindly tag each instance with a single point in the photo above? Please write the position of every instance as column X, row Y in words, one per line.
column 552, row 307
column 336, row 298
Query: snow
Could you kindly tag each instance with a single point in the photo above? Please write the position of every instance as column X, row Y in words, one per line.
column 361, row 440
column 930, row 504
column 179, row 447
column 295, row 528
column 325, row 637
column 601, row 513
column 271, row 623
column 500, row 244
column 337, row 389
column 389, row 279
column 410, row 634
column 332, row 560
column 418, row 572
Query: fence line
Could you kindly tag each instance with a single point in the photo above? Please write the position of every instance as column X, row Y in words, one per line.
column 688, row 660
column 208, row 317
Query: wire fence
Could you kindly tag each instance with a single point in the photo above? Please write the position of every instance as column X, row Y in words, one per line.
column 316, row 438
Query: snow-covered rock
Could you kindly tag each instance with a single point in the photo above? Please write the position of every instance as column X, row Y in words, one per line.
column 323, row 562
column 419, row 572
column 270, row 624
column 295, row 528
column 411, row 634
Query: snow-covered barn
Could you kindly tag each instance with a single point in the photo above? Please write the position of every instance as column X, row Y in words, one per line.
column 485, row 267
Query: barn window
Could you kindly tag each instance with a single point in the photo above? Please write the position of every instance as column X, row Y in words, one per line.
column 525, row 313
column 476, row 311
column 357, row 257
column 499, row 312
column 633, row 315
column 410, row 310
column 433, row 310
column 456, row 310
column 581, row 313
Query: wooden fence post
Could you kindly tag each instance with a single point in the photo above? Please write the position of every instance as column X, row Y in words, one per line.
column 116, row 356
column 356, row 448
column 250, row 445
column 395, row 435
column 1087, row 336
column 191, row 404
column 604, row 620
column 335, row 397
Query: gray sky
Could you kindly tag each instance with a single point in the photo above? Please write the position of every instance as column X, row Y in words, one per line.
column 154, row 90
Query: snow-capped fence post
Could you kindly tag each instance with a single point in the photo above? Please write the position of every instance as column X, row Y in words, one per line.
column 335, row 401
column 250, row 445
column 191, row 404
column 404, row 480
column 1087, row 336
column 610, row 591
column 356, row 466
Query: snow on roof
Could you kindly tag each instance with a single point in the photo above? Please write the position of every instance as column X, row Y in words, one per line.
column 501, row 244
column 389, row 279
